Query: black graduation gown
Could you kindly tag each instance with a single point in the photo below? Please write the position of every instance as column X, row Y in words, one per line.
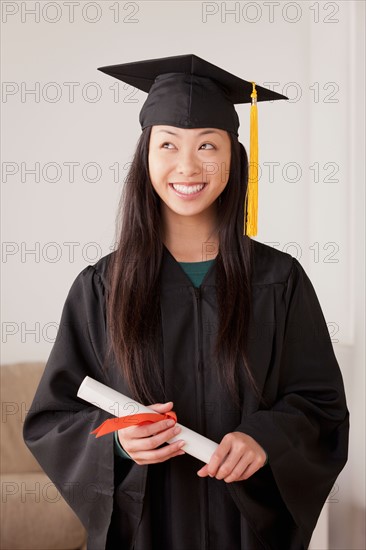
column 304, row 430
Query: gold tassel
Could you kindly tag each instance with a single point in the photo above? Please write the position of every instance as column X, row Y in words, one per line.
column 251, row 198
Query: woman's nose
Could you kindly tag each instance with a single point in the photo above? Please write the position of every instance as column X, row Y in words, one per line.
column 188, row 165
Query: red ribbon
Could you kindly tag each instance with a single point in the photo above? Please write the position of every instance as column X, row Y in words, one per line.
column 114, row 424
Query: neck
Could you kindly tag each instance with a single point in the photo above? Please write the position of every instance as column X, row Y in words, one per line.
column 191, row 238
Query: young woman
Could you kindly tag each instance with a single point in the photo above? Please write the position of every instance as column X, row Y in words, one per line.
column 188, row 314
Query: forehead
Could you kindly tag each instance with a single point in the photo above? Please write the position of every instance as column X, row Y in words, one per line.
column 161, row 130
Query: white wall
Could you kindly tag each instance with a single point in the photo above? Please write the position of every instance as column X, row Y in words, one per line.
column 313, row 50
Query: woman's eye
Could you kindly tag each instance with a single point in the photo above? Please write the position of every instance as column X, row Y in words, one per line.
column 207, row 146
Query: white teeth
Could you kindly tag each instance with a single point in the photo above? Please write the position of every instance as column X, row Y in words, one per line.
column 188, row 189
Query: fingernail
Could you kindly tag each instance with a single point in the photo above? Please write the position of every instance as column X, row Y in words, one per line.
column 170, row 423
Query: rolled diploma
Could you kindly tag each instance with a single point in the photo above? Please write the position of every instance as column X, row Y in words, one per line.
column 119, row 405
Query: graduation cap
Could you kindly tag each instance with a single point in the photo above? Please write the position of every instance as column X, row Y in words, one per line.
column 188, row 92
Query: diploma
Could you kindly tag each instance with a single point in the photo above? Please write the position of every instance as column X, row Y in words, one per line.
column 119, row 405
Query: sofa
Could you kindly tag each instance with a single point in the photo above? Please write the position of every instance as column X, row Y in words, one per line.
column 34, row 516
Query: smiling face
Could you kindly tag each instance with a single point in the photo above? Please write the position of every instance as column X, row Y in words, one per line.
column 189, row 169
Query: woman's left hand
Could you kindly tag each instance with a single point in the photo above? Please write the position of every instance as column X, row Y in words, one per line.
column 237, row 458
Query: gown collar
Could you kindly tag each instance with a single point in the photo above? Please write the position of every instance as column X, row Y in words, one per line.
column 172, row 275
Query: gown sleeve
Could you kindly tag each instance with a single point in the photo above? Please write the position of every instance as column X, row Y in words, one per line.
column 305, row 430
column 58, row 425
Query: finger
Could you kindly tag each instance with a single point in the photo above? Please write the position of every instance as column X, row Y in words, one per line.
column 237, row 472
column 218, row 457
column 159, row 461
column 161, row 406
column 232, row 461
column 160, row 455
column 226, row 469
column 141, row 431
column 154, row 441
column 203, row 472
column 251, row 469
column 127, row 435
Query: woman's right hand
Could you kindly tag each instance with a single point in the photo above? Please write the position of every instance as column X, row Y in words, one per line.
column 141, row 442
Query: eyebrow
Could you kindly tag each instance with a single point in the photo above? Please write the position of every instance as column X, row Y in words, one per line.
column 200, row 134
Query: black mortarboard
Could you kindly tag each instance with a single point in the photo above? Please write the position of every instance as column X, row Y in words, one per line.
column 188, row 92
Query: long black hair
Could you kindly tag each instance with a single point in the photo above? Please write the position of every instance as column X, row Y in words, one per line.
column 133, row 312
